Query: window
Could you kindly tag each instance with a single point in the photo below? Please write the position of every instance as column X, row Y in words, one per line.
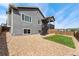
column 26, row 18
column 26, row 31
column 22, row 16
column 38, row 21
column 30, row 19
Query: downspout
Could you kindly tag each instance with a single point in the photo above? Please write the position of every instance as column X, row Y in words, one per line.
column 12, row 21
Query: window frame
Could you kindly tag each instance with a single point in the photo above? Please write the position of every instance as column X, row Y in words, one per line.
column 30, row 18
column 27, row 32
column 39, row 22
column 21, row 17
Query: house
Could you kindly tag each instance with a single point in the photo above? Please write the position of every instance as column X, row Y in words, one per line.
column 27, row 20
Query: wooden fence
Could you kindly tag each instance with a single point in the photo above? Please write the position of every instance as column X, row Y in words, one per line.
column 50, row 31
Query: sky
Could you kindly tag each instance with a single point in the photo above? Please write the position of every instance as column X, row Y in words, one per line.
column 66, row 14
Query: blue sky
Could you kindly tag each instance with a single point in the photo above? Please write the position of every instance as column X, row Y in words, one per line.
column 66, row 14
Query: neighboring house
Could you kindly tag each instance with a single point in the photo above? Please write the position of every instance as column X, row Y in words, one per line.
column 27, row 20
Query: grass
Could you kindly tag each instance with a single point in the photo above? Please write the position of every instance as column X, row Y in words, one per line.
column 62, row 40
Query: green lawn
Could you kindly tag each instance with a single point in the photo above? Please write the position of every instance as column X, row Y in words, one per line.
column 62, row 40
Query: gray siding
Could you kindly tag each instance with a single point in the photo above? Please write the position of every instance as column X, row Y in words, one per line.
column 9, row 20
column 19, row 25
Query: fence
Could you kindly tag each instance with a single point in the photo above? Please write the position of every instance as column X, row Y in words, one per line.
column 60, row 32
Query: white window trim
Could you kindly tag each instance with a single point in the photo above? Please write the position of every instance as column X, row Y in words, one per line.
column 24, row 18
column 21, row 17
column 27, row 33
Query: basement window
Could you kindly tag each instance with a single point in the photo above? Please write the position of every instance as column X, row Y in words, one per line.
column 26, row 31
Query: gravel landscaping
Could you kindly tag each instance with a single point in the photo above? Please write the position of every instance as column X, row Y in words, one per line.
column 37, row 46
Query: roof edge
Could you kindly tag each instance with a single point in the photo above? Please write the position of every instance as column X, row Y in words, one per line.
column 32, row 8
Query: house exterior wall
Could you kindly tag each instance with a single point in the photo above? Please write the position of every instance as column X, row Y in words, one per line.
column 9, row 20
column 18, row 25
